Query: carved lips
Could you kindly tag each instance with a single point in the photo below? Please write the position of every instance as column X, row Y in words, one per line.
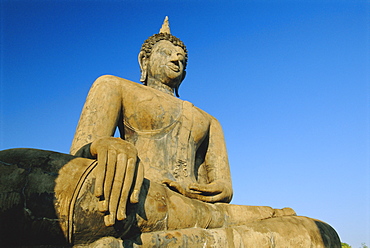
column 173, row 65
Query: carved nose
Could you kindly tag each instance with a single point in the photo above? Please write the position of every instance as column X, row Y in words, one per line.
column 175, row 56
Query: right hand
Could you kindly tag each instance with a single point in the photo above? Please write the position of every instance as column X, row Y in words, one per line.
column 115, row 176
column 216, row 191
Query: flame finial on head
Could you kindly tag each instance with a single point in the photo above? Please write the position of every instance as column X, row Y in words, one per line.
column 165, row 29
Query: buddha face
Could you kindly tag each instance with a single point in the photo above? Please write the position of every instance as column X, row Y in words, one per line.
column 166, row 64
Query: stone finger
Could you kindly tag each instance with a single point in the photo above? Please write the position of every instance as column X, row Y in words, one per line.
column 177, row 187
column 205, row 198
column 110, row 171
column 109, row 220
column 130, row 172
column 116, row 194
column 208, row 188
column 138, row 183
column 100, row 173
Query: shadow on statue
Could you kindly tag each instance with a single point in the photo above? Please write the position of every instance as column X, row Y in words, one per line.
column 28, row 214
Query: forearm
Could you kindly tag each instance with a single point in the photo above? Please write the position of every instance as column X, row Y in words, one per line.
column 216, row 162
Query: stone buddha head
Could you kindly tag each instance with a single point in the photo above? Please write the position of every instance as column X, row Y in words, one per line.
column 163, row 59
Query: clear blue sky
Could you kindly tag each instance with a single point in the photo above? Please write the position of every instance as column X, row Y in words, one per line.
column 288, row 80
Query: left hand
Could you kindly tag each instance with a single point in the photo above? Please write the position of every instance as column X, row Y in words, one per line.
column 216, row 191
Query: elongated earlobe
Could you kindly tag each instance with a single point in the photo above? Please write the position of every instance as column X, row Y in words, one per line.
column 183, row 76
column 177, row 90
column 178, row 86
column 143, row 67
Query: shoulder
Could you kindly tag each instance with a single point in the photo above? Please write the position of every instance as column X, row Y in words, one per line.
column 114, row 79
column 117, row 84
column 211, row 120
column 208, row 116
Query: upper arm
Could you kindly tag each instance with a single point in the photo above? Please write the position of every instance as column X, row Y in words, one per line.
column 101, row 112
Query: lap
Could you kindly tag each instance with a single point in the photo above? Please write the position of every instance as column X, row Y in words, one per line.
column 55, row 193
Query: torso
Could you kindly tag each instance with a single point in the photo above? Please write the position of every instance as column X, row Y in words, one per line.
column 166, row 131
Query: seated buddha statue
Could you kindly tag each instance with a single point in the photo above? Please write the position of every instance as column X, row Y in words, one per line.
column 164, row 182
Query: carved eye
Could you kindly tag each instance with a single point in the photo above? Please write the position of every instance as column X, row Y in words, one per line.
column 166, row 52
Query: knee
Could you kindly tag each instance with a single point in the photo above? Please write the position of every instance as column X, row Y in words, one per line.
column 329, row 236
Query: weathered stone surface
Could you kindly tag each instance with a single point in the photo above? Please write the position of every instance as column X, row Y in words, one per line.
column 274, row 232
column 214, row 225
column 164, row 183
column 27, row 213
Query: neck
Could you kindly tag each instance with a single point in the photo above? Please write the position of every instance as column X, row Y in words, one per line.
column 155, row 84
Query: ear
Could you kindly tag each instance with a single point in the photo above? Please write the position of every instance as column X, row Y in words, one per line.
column 178, row 86
column 143, row 62
column 183, row 76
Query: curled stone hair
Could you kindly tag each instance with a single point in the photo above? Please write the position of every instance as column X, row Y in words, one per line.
column 152, row 40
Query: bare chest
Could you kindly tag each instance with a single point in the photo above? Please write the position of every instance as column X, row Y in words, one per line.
column 155, row 113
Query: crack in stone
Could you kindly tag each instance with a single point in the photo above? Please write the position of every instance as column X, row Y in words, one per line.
column 27, row 210
column 4, row 163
